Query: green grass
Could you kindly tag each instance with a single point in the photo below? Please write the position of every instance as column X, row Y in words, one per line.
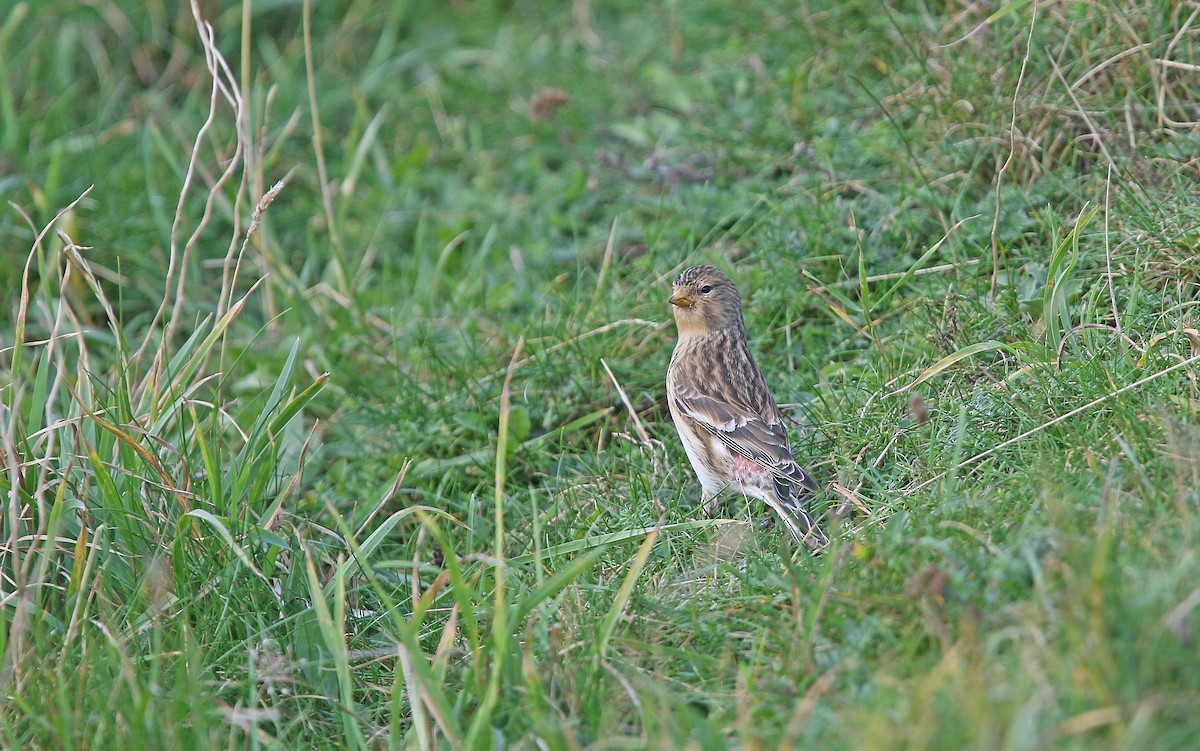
column 343, row 464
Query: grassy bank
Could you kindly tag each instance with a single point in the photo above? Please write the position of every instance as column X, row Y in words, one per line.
column 332, row 351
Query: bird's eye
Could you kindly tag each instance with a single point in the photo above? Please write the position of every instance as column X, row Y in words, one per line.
column 706, row 289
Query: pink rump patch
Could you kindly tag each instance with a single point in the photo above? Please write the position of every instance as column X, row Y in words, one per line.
column 746, row 471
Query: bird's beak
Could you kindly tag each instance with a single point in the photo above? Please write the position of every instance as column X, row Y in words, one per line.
column 680, row 299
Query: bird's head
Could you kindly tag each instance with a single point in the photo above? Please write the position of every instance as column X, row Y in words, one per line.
column 704, row 301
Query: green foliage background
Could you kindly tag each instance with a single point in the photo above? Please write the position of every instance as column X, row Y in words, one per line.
column 343, row 462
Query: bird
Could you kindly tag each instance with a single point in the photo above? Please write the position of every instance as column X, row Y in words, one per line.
column 728, row 421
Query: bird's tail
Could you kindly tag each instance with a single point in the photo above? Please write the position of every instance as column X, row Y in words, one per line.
column 794, row 513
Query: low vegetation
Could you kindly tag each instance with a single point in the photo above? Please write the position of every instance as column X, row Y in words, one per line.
column 332, row 347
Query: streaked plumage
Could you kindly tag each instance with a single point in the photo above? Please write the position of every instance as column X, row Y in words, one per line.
column 730, row 426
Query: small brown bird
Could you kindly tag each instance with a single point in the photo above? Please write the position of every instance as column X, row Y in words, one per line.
column 730, row 426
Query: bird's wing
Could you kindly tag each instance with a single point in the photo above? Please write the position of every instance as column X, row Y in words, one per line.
column 761, row 438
